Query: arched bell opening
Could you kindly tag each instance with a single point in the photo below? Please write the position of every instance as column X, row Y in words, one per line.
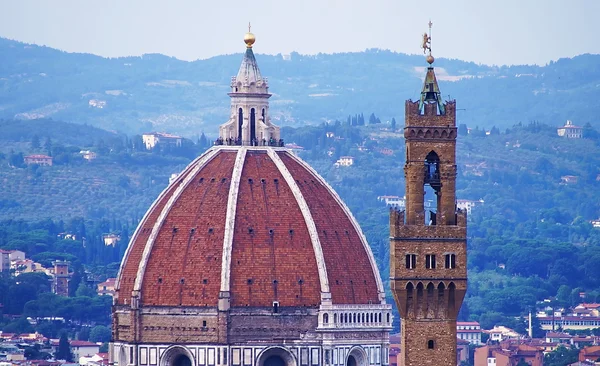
column 432, row 186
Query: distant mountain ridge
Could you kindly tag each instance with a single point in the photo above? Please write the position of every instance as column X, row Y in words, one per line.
column 157, row 92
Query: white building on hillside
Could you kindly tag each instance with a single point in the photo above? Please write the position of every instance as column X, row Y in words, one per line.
column 153, row 138
column 344, row 161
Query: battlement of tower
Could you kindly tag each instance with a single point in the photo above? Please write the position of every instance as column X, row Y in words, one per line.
column 398, row 227
column 430, row 116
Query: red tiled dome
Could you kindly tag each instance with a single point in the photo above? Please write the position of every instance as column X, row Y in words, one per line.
column 254, row 222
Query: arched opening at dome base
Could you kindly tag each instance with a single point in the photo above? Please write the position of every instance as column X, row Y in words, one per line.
column 276, row 356
column 177, row 356
column 356, row 357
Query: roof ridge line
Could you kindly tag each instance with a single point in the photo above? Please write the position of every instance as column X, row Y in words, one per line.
column 355, row 224
column 310, row 224
column 234, row 188
column 201, row 162
column 143, row 220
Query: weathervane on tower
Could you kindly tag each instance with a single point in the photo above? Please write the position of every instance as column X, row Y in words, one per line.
column 427, row 44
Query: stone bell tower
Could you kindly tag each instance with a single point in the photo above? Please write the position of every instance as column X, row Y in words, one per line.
column 428, row 241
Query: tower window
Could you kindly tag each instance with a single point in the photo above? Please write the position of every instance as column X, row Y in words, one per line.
column 275, row 307
column 450, row 261
column 430, row 344
column 411, row 261
column 430, row 261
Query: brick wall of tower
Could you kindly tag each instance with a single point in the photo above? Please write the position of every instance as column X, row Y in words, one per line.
column 416, row 352
column 429, row 299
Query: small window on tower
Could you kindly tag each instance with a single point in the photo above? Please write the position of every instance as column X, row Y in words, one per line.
column 275, row 307
column 450, row 261
column 430, row 344
column 430, row 261
column 411, row 261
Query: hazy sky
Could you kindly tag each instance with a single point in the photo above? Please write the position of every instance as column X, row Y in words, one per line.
column 490, row 32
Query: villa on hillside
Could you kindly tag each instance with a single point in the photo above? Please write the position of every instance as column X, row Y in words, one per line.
column 153, row 138
column 344, row 161
column 111, row 239
column 38, row 159
column 570, row 131
column 88, row 155
column 107, row 287
column 467, row 205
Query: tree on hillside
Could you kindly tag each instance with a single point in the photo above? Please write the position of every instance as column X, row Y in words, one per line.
column 35, row 142
column 203, row 141
column 64, row 349
column 463, row 130
column 393, row 123
column 100, row 333
column 590, row 133
column 48, row 146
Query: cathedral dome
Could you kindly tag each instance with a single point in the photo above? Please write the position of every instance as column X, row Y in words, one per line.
column 256, row 225
column 249, row 258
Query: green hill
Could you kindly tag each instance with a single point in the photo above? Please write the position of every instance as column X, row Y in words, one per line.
column 529, row 240
column 156, row 92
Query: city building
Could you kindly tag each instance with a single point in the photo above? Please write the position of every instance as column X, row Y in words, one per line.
column 586, row 309
column 508, row 354
column 154, row 138
column 78, row 348
column 500, row 333
column 249, row 258
column 469, row 331
column 38, row 159
column 428, row 267
column 558, row 337
column 570, row 131
column 60, row 282
column 568, row 322
column 589, row 354
column 462, row 351
column 16, row 255
column 4, row 260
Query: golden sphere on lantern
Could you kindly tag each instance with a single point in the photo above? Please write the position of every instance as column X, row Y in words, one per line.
column 249, row 39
